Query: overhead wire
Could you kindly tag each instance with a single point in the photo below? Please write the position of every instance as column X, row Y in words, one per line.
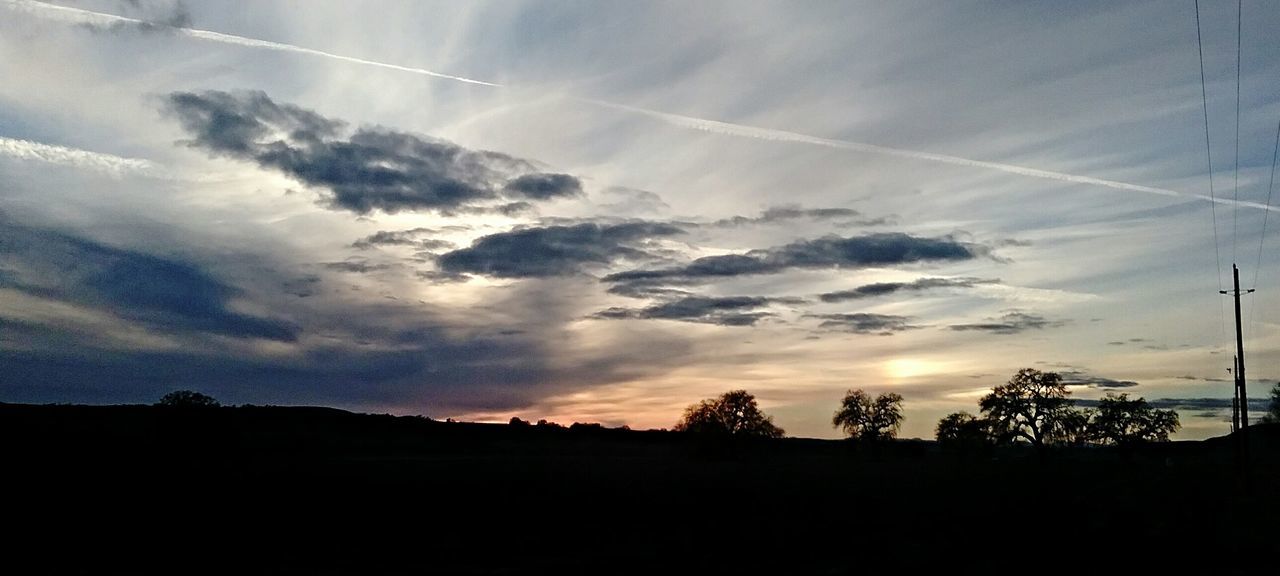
column 1235, row 187
column 1208, row 151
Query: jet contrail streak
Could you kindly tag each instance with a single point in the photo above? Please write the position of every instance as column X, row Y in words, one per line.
column 116, row 165
column 729, row 129
column 68, row 14
column 77, row 15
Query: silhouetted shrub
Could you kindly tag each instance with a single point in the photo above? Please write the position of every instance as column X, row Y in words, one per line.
column 187, row 399
column 964, row 430
column 516, row 421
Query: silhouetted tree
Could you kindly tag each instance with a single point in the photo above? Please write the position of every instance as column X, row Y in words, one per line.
column 866, row 419
column 516, row 421
column 187, row 399
column 1122, row 421
column 1075, row 427
column 963, row 429
column 1032, row 406
column 732, row 414
column 1273, row 411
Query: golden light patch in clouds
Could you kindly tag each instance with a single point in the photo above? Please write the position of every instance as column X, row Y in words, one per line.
column 905, row 368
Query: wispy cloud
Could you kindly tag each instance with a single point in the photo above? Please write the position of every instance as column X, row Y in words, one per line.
column 75, row 157
column 864, row 323
column 76, row 15
column 886, row 288
column 1012, row 322
column 724, row 311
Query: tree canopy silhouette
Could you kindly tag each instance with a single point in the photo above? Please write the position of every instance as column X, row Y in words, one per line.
column 863, row 418
column 964, row 430
column 188, row 399
column 1273, row 411
column 1122, row 421
column 1032, row 406
column 734, row 413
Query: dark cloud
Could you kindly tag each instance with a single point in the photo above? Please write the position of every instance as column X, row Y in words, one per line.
column 360, row 351
column 554, row 250
column 166, row 294
column 155, row 16
column 886, row 249
column 370, row 169
column 884, row 288
column 861, row 323
column 541, row 186
column 411, row 237
column 1197, row 378
column 356, row 265
column 643, row 290
column 786, row 213
column 1081, row 378
column 725, row 311
column 1204, row 407
column 301, row 287
column 1011, row 323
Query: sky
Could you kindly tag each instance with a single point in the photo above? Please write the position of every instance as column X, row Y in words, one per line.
column 606, row 211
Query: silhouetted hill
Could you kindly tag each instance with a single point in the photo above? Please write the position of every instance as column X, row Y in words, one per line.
column 97, row 489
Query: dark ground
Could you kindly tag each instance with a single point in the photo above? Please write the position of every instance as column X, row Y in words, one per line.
column 126, row 489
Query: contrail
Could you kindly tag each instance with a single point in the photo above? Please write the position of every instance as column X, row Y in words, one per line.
column 115, row 165
column 68, row 14
column 78, row 15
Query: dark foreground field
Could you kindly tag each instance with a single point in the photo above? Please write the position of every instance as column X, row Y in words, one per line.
column 310, row 490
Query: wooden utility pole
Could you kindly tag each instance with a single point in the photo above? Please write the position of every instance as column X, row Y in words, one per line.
column 1235, row 394
column 1241, row 396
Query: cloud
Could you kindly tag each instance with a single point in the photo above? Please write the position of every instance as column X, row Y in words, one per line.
column 645, row 290
column 372, row 168
column 356, row 266
column 884, row 249
column 554, row 250
column 1013, row 322
column 787, row 213
column 885, row 288
column 633, row 201
column 83, row 17
column 543, row 186
column 110, row 164
column 166, row 294
column 1080, row 378
column 82, row 321
column 1204, row 407
column 151, row 16
column 724, row 311
column 411, row 237
column 862, row 323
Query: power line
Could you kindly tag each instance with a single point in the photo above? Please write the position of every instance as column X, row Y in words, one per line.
column 1253, row 307
column 1270, row 187
column 1208, row 152
column 1235, row 187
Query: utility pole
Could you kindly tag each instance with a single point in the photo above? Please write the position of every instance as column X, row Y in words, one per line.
column 1235, row 395
column 1241, row 396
